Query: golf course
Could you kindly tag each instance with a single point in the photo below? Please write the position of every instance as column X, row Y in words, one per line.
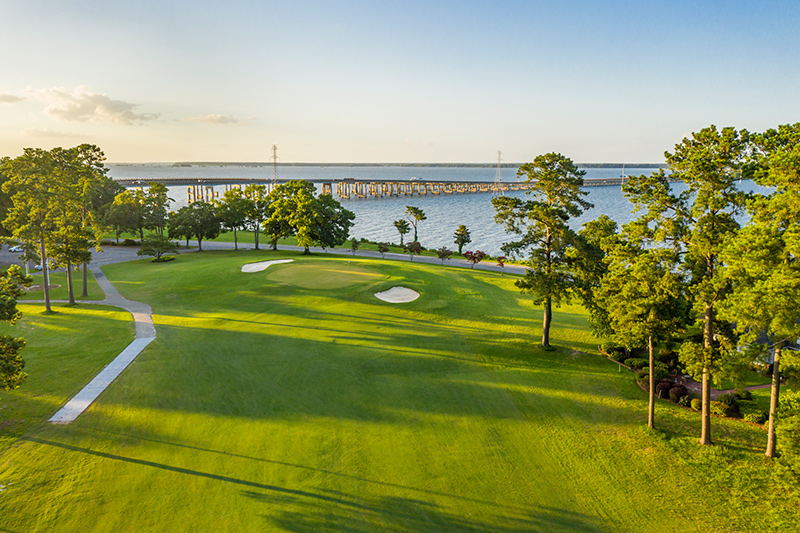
column 293, row 399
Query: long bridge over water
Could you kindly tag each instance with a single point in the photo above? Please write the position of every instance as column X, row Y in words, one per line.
column 203, row 189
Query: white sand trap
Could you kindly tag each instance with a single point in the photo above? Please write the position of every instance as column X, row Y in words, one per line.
column 398, row 295
column 263, row 265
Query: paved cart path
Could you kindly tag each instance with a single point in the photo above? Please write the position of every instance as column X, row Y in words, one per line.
column 145, row 334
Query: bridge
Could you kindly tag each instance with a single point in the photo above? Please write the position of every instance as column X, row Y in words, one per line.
column 203, row 189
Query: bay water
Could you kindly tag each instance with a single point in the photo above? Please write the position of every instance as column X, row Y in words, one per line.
column 374, row 216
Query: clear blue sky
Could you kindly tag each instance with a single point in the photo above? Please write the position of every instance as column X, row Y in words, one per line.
column 375, row 81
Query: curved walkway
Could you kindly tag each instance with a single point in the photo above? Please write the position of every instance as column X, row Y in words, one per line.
column 145, row 334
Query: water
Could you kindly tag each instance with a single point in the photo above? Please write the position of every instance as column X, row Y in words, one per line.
column 444, row 213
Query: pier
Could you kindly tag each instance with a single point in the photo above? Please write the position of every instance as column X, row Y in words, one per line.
column 204, row 189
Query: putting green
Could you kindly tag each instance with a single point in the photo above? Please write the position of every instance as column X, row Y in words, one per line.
column 321, row 276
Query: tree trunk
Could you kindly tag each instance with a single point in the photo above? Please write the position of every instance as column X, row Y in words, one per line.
column 773, row 401
column 199, row 244
column 141, row 234
column 117, row 234
column 274, row 244
column 548, row 316
column 306, row 251
column 235, row 242
column 45, row 277
column 651, row 409
column 705, row 416
column 85, row 293
column 69, row 284
column 255, row 234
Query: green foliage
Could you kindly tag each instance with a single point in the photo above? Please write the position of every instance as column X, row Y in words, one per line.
column 686, row 400
column 727, row 399
column 542, row 227
column 636, row 362
column 696, row 404
column 721, row 409
column 156, row 245
column 789, row 404
column 461, row 237
column 234, row 211
column 354, row 246
column 756, row 417
column 415, row 215
column 198, row 219
column 294, row 209
column 11, row 363
column 402, row 228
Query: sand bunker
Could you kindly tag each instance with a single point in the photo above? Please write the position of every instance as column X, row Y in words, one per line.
column 398, row 295
column 263, row 265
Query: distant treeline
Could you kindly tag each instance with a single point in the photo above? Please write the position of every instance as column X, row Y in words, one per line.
column 432, row 165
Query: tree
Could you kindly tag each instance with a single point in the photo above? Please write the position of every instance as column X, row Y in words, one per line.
column 69, row 246
column 643, row 298
column 156, row 246
column 402, row 228
column 462, row 237
column 314, row 220
column 383, row 247
column 501, row 262
column 127, row 213
column 415, row 216
column 33, row 186
column 761, row 261
column 257, row 209
column 198, row 220
column 233, row 212
column 412, row 248
column 155, row 206
column 11, row 362
column 587, row 262
column 444, row 253
column 696, row 223
column 474, row 257
column 542, row 226
column 354, row 246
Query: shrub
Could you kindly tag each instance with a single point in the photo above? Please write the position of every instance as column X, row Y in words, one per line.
column 130, row 242
column 677, row 392
column 696, row 404
column 164, row 259
column 642, row 375
column 635, row 362
column 106, row 242
column 756, row 417
column 744, row 395
column 721, row 409
column 789, row 404
column 662, row 389
column 727, row 399
column 685, row 400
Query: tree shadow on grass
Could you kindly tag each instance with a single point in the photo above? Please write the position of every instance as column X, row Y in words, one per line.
column 321, row 508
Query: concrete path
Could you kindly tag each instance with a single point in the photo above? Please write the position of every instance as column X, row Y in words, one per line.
column 145, row 334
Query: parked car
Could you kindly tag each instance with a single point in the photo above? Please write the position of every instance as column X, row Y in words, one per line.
column 16, row 248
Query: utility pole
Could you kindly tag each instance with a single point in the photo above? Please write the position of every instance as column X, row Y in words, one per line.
column 497, row 187
column 274, row 165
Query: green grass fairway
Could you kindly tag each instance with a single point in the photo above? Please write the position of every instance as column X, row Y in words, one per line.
column 293, row 399
column 62, row 291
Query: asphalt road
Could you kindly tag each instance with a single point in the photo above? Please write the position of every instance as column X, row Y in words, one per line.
column 119, row 254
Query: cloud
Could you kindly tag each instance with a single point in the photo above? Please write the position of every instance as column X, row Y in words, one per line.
column 219, row 119
column 10, row 98
column 81, row 105
column 36, row 132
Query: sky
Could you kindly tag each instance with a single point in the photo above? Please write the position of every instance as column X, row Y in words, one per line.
column 381, row 81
